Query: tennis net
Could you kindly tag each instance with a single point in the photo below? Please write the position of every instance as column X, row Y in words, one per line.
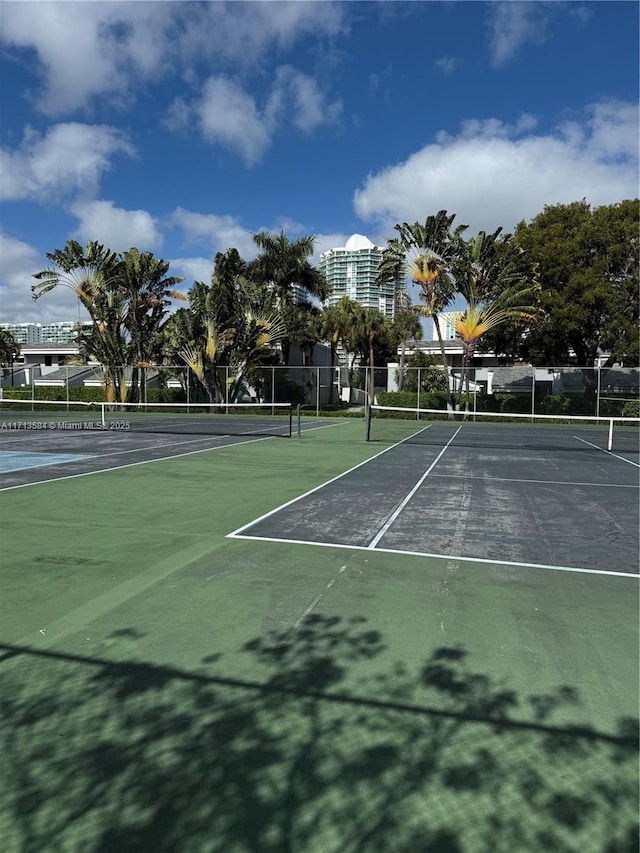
column 259, row 419
column 496, row 430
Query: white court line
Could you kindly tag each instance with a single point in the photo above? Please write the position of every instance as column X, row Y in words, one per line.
column 235, row 533
column 483, row 560
column 134, row 464
column 408, row 497
column 543, row 482
column 608, row 452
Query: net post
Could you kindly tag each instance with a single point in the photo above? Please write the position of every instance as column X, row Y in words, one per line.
column 367, row 423
column 103, row 419
column 299, row 423
column 610, row 438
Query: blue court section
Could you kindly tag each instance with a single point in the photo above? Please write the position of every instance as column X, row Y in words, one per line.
column 15, row 460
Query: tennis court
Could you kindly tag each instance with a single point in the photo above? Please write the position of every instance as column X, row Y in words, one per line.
column 239, row 641
column 542, row 495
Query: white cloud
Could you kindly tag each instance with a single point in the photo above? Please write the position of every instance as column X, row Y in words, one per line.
column 115, row 227
column 19, row 261
column 86, row 49
column 241, row 33
column 491, row 175
column 219, row 233
column 228, row 115
column 513, row 24
column 192, row 270
column 447, row 64
column 68, row 160
column 215, row 233
column 307, row 101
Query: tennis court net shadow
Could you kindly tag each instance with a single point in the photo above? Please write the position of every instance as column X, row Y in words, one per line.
column 333, row 748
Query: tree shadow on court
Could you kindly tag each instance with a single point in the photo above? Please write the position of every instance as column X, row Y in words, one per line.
column 335, row 748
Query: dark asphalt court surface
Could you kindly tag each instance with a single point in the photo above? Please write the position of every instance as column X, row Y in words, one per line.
column 573, row 509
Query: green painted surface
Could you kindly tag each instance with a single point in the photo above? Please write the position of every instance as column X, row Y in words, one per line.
column 166, row 688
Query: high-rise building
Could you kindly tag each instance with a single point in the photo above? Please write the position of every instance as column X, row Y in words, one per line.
column 44, row 333
column 351, row 271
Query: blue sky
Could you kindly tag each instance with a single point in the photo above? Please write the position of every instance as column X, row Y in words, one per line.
column 181, row 128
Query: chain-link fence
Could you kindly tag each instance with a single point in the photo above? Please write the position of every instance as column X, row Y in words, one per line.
column 600, row 391
column 603, row 391
column 314, row 388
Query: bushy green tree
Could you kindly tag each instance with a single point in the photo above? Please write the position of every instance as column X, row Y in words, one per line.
column 587, row 261
column 9, row 348
column 423, row 372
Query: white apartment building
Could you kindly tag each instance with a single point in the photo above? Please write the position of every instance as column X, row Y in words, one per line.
column 351, row 271
column 44, row 333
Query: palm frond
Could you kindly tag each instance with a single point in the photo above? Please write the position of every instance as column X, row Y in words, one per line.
column 192, row 357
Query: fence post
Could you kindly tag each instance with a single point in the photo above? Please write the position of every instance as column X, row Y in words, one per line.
column 599, row 369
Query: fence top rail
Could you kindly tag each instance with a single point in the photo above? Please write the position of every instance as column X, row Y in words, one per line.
column 506, row 416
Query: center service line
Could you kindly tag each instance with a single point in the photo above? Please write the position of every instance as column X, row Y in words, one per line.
column 399, row 509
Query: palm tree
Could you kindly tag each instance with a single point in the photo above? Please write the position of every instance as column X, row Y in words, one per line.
column 330, row 329
column 87, row 272
column 428, row 251
column 230, row 324
column 497, row 287
column 283, row 265
column 406, row 324
column 334, row 324
column 126, row 297
column 343, row 328
column 369, row 327
column 148, row 292
column 92, row 274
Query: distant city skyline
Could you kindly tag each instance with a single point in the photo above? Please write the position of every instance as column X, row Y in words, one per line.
column 61, row 331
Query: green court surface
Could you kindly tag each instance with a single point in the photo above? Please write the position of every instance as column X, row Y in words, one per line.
column 167, row 688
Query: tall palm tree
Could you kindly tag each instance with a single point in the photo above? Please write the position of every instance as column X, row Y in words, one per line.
column 369, row 327
column 126, row 296
column 334, row 327
column 88, row 272
column 497, row 287
column 231, row 323
column 282, row 265
column 406, row 324
column 427, row 252
column 92, row 273
column 330, row 329
column 148, row 291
